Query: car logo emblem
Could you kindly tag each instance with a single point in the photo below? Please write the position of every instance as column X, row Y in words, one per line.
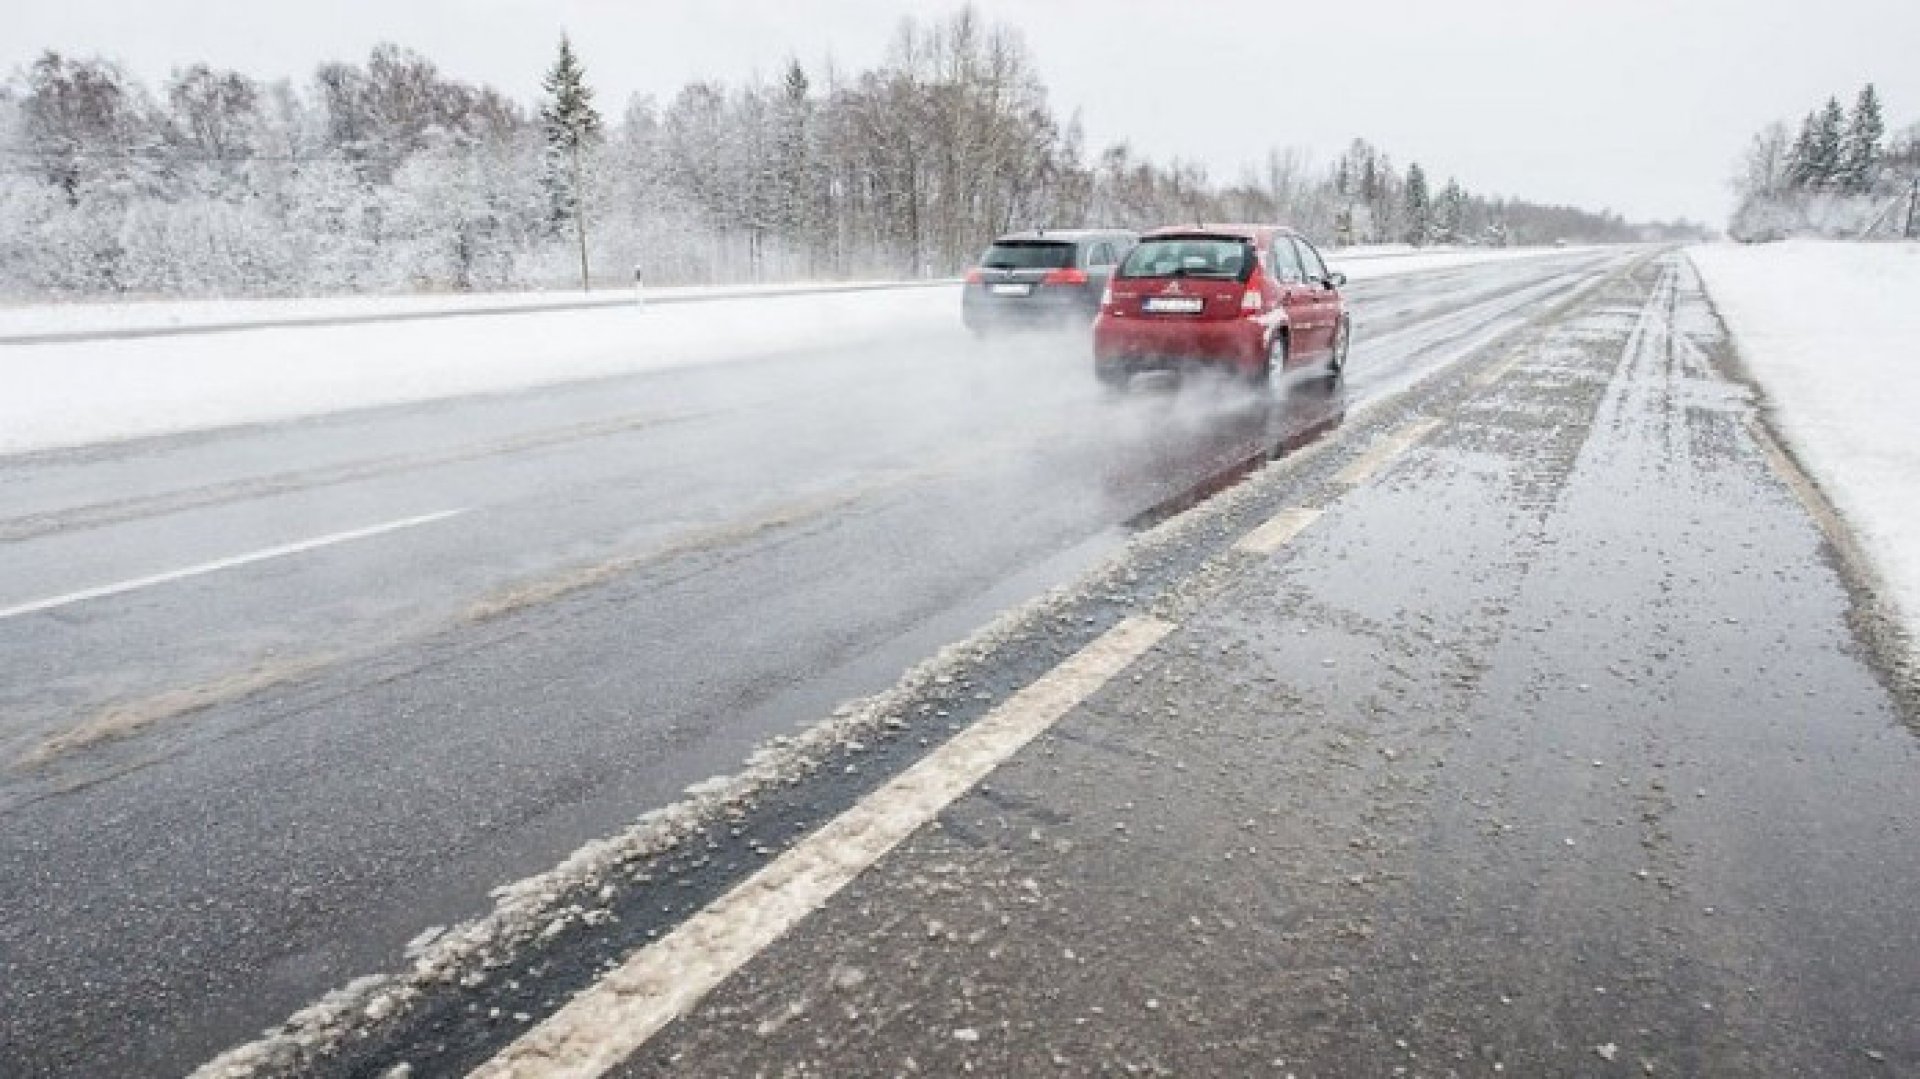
column 1172, row 289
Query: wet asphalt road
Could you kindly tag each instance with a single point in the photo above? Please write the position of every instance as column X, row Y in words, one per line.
column 1605, row 783
column 225, row 794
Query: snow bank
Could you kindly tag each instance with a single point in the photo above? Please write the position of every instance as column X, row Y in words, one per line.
column 71, row 394
column 1367, row 251
column 23, row 320
column 1832, row 333
column 1366, row 264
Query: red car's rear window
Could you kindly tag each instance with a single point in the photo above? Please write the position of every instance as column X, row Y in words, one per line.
column 1226, row 258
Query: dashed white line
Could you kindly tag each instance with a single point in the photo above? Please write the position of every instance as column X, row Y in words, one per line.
column 1497, row 372
column 607, row 1022
column 1277, row 531
column 137, row 583
column 1364, row 467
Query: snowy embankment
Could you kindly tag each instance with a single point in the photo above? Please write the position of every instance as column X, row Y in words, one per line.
column 1832, row 333
column 1366, row 264
column 169, row 316
column 63, row 394
column 78, row 393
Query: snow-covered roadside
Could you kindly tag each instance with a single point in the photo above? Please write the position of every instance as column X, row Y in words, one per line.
column 1832, row 333
column 1362, row 264
column 135, row 316
column 73, row 394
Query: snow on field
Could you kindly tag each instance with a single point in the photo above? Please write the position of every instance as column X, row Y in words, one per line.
column 1367, row 264
column 77, row 393
column 23, row 320
column 1832, row 333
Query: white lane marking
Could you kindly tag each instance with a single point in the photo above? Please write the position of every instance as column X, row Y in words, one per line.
column 1367, row 464
column 1497, row 372
column 282, row 551
column 1274, row 534
column 607, row 1022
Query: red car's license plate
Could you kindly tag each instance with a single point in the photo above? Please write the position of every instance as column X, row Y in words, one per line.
column 1174, row 305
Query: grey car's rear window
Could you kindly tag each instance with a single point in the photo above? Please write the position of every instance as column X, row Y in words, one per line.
column 1028, row 255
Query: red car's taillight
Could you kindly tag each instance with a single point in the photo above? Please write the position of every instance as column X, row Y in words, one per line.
column 1252, row 301
column 1065, row 277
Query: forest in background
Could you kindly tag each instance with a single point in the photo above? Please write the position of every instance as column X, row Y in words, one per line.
column 1839, row 176
column 388, row 176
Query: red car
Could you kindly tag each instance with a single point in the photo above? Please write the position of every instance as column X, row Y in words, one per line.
column 1252, row 299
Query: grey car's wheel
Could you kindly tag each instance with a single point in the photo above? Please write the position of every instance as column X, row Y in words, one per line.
column 1342, row 341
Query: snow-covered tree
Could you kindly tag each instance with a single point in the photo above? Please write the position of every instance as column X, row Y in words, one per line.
column 1827, row 151
column 572, row 127
column 1800, row 170
column 87, row 125
column 213, row 116
column 797, row 210
column 1824, row 182
column 1419, row 212
column 1768, row 167
column 1860, row 147
column 1449, row 214
column 385, row 174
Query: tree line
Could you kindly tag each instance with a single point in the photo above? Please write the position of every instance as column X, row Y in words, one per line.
column 388, row 175
column 1838, row 174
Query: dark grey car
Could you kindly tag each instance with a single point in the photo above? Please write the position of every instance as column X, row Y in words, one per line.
column 1042, row 279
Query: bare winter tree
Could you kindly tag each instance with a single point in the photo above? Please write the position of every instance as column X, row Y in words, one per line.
column 84, row 121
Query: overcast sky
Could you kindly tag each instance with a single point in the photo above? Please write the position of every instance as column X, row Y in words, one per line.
column 1638, row 105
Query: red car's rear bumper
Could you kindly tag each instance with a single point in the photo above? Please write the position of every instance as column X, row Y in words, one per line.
column 1143, row 344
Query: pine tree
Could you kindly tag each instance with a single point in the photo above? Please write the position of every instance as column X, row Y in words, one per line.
column 1449, row 212
column 1800, row 159
column 572, row 127
column 794, row 213
column 1419, row 207
column 1860, row 150
column 1829, row 145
